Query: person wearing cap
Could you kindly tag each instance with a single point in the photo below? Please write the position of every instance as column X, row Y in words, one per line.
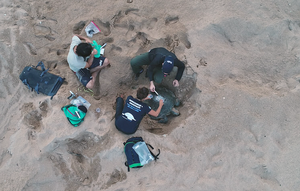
column 82, row 62
column 160, row 63
column 129, row 116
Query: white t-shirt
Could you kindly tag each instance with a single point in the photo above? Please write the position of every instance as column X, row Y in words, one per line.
column 75, row 62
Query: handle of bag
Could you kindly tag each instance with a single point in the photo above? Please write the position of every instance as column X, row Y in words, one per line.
column 155, row 156
column 26, row 83
column 41, row 64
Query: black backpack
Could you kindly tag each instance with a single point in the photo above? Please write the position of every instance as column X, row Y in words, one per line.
column 41, row 80
column 132, row 157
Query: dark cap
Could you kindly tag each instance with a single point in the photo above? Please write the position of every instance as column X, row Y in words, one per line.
column 168, row 64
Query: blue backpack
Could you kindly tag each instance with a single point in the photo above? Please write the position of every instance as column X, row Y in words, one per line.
column 41, row 81
column 133, row 160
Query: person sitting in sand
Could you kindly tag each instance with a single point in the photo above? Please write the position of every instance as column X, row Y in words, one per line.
column 160, row 63
column 82, row 62
column 127, row 119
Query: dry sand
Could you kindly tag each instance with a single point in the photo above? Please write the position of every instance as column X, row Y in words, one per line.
column 239, row 125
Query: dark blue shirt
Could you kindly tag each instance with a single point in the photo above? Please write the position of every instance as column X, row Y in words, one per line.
column 132, row 114
column 157, row 57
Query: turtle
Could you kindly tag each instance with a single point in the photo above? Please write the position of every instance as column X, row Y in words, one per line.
column 170, row 101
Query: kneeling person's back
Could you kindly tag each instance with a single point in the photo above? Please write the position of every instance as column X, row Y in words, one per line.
column 132, row 114
column 129, row 116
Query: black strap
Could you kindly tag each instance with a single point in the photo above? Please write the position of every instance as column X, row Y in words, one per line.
column 155, row 156
column 126, row 164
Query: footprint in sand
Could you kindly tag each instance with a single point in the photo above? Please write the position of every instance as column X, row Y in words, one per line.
column 65, row 46
column 115, row 177
column 78, row 27
column 265, row 173
column 5, row 156
column 31, row 135
column 131, row 10
column 179, row 30
column 172, row 42
column 44, row 107
column 143, row 36
column 107, row 40
column 33, row 116
column 104, row 27
column 116, row 49
column 183, row 37
column 52, row 64
column 202, row 62
column 171, row 20
column 117, row 18
column 50, row 38
column 61, row 52
column 40, row 30
column 151, row 23
column 33, row 119
column 30, row 48
column 43, row 31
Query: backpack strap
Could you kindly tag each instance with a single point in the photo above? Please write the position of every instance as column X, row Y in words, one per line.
column 66, row 106
column 44, row 72
column 41, row 64
column 126, row 164
column 155, row 156
column 36, row 88
column 26, row 83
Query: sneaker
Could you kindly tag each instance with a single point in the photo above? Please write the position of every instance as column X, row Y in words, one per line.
column 138, row 74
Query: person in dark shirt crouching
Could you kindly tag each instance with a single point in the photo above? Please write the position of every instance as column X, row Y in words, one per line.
column 129, row 116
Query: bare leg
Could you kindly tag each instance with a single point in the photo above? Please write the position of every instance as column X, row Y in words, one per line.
column 96, row 88
column 95, row 72
column 98, row 68
column 91, row 83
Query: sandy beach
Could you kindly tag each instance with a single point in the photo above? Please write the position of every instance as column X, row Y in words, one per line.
column 238, row 128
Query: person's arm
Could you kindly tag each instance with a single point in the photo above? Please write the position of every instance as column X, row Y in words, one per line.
column 152, row 86
column 156, row 62
column 91, row 59
column 180, row 65
column 83, row 38
column 156, row 113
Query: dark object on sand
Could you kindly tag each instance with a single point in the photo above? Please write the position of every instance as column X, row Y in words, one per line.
column 170, row 101
column 82, row 108
column 40, row 80
column 137, row 153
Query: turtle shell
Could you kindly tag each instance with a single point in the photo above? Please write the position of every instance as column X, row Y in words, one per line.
column 169, row 99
